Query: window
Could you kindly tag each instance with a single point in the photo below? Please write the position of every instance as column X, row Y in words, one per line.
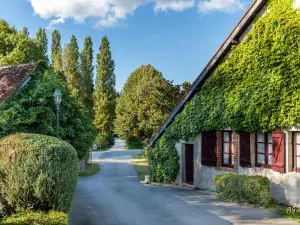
column 264, row 149
column 297, row 151
column 228, row 149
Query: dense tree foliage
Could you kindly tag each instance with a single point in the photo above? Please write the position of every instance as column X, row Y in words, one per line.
column 105, row 93
column 71, row 69
column 185, row 87
column 16, row 47
column 34, row 111
column 42, row 40
column 56, row 52
column 145, row 102
column 87, row 74
column 256, row 89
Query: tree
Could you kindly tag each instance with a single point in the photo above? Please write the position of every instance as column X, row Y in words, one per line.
column 185, row 87
column 145, row 102
column 71, row 69
column 87, row 73
column 105, row 93
column 42, row 40
column 16, row 47
column 56, row 52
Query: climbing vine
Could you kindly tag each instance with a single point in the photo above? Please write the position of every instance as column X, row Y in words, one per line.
column 257, row 88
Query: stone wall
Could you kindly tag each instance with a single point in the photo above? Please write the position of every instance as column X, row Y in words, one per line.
column 81, row 165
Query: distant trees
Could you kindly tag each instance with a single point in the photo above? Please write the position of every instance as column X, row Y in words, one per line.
column 56, row 52
column 185, row 87
column 105, row 93
column 42, row 40
column 87, row 68
column 145, row 102
column 17, row 47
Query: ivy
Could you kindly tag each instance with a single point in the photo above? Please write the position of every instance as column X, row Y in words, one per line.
column 257, row 88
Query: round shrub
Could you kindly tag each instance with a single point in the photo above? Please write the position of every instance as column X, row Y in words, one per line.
column 37, row 172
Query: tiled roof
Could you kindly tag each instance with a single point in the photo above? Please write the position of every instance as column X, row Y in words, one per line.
column 12, row 77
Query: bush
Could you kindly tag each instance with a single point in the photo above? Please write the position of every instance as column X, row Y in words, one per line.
column 134, row 143
column 37, row 218
column 104, row 141
column 40, row 171
column 253, row 190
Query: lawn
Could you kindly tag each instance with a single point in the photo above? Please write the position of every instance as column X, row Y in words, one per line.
column 288, row 212
column 90, row 169
column 140, row 162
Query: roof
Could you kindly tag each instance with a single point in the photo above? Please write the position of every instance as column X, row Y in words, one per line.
column 232, row 39
column 14, row 77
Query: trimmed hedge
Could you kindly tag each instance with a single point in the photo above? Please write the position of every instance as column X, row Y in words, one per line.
column 40, row 171
column 134, row 143
column 37, row 218
column 253, row 190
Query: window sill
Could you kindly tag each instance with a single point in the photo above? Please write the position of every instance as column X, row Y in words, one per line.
column 228, row 169
column 263, row 166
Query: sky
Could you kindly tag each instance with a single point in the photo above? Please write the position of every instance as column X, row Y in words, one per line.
column 177, row 37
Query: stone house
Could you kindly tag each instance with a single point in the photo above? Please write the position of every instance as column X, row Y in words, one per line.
column 275, row 155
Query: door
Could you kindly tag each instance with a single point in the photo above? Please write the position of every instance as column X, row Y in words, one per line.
column 189, row 163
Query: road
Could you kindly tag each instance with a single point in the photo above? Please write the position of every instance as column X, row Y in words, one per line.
column 114, row 196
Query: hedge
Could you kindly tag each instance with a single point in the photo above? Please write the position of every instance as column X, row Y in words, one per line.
column 37, row 218
column 134, row 143
column 253, row 190
column 255, row 89
column 40, row 171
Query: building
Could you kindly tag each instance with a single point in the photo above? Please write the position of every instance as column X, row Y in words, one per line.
column 14, row 78
column 275, row 154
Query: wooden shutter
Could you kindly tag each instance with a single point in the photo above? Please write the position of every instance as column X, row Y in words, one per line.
column 278, row 151
column 209, row 149
column 245, row 149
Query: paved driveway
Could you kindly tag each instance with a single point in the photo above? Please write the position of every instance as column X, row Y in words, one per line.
column 115, row 196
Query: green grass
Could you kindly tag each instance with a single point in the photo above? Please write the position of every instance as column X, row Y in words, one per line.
column 37, row 218
column 140, row 162
column 90, row 169
column 288, row 212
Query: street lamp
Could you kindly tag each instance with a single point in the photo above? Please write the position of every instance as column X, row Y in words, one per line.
column 57, row 98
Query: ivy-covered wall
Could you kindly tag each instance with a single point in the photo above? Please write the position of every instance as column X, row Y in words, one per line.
column 257, row 88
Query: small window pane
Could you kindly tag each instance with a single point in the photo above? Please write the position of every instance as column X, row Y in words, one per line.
column 298, row 162
column 270, row 148
column 297, row 138
column 226, row 148
column 270, row 140
column 261, row 159
column 232, row 137
column 270, row 159
column 298, row 150
column 261, row 148
column 226, row 159
column 260, row 137
column 232, row 159
column 226, row 136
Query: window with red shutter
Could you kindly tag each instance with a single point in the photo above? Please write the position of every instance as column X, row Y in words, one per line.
column 245, row 149
column 209, row 149
column 296, row 148
column 278, row 139
column 228, row 152
column 264, row 150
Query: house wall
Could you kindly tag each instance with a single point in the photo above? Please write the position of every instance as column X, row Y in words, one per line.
column 285, row 187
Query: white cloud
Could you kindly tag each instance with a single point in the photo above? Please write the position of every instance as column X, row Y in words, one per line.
column 109, row 13
column 229, row 6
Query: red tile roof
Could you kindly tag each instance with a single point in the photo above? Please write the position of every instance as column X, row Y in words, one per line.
column 12, row 77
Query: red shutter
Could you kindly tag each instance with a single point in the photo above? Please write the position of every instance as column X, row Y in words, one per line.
column 245, row 149
column 209, row 149
column 278, row 151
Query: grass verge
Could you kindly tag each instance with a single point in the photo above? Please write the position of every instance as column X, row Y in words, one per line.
column 288, row 212
column 37, row 218
column 90, row 169
column 140, row 162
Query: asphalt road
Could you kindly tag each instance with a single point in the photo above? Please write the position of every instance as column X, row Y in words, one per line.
column 114, row 196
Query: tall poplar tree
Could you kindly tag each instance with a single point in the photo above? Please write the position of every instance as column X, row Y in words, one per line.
column 105, row 93
column 56, row 52
column 71, row 69
column 87, row 73
column 42, row 40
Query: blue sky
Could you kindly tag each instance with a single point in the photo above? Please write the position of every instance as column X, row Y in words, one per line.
column 178, row 37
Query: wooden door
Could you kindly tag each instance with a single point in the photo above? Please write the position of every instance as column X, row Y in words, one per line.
column 189, row 163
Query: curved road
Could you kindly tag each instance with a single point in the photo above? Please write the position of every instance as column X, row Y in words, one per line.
column 114, row 196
